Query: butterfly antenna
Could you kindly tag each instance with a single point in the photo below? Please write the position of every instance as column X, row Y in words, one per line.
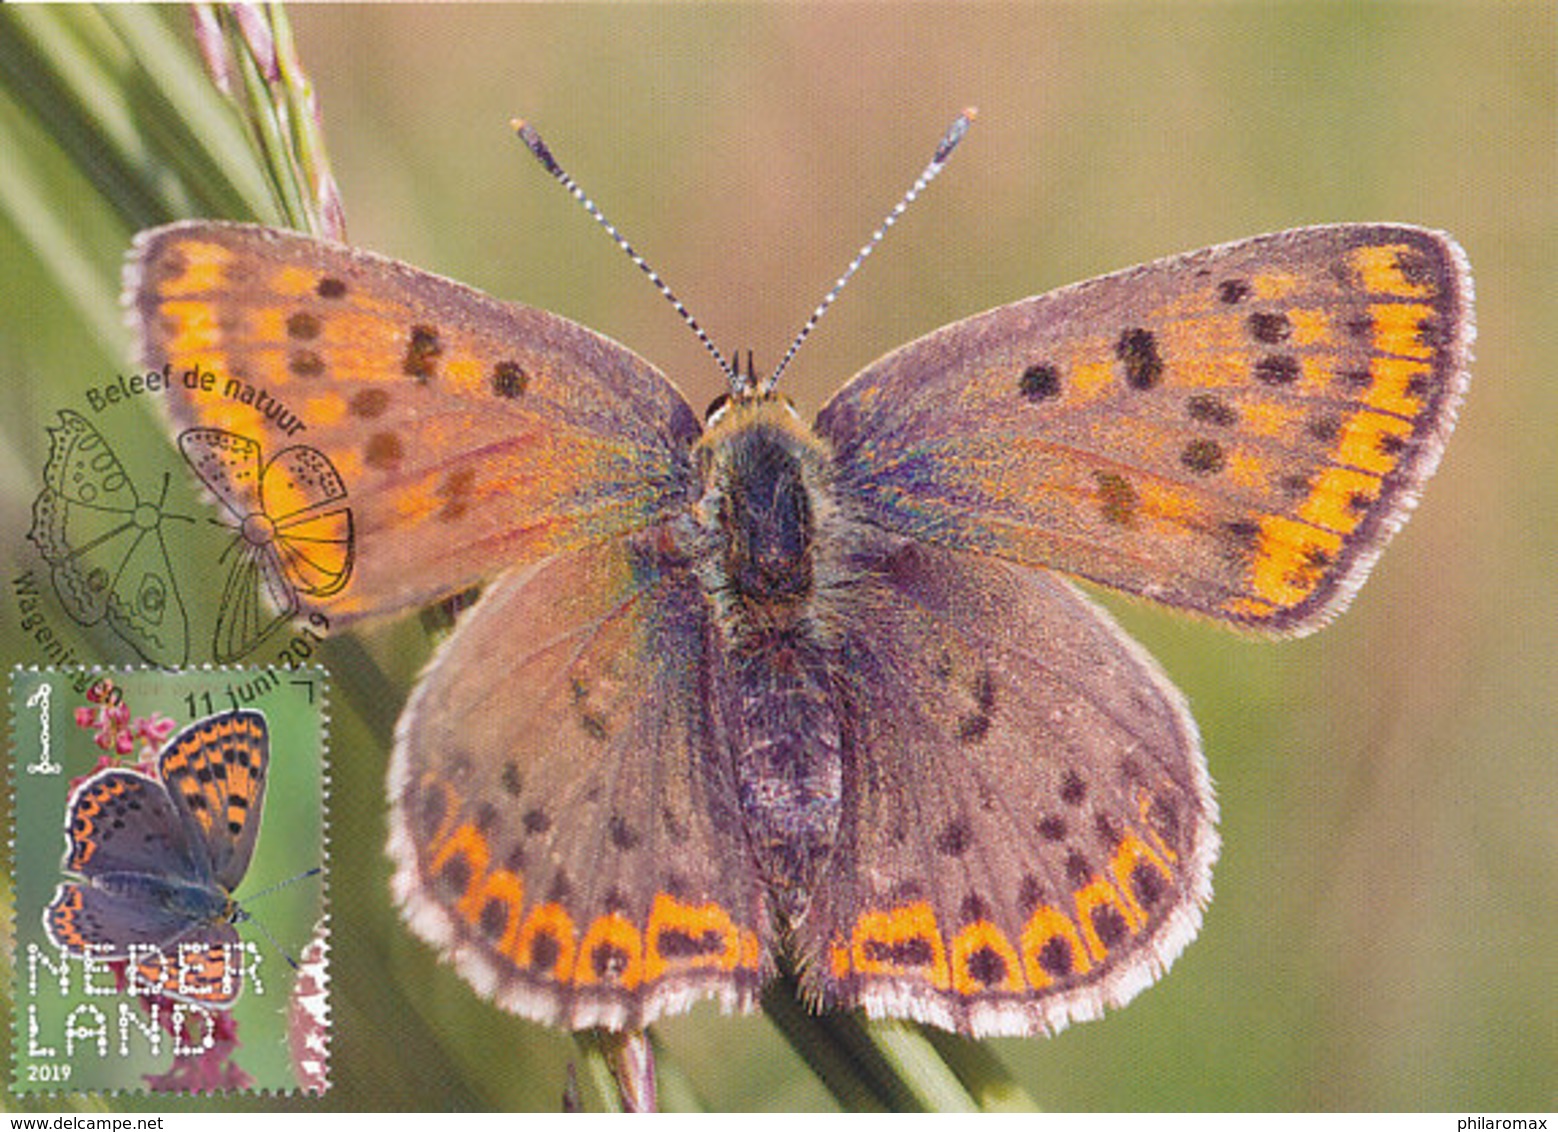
column 167, row 478
column 313, row 872
column 949, row 142
column 527, row 134
column 246, row 916
column 249, row 917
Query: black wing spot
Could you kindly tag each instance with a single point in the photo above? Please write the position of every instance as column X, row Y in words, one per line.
column 1202, row 456
column 1277, row 369
column 1270, row 328
column 1137, row 350
column 1039, row 382
column 1208, row 408
column 509, row 380
column 1233, row 291
column 422, row 353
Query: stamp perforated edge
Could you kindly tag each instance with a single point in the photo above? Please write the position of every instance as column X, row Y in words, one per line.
column 322, row 932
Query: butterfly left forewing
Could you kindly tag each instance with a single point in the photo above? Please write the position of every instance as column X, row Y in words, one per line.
column 228, row 465
column 1234, row 432
column 1028, row 833
column 467, row 434
column 121, row 821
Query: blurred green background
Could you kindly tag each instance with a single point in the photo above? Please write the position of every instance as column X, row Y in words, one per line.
column 1387, row 898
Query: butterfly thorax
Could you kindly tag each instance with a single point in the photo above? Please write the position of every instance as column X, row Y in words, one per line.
column 766, row 561
column 764, row 518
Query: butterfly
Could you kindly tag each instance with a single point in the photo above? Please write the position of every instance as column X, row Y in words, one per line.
column 293, row 533
column 156, row 860
column 105, row 546
column 749, row 689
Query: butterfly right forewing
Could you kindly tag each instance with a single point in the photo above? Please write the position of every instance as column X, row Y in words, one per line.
column 216, row 770
column 1235, row 432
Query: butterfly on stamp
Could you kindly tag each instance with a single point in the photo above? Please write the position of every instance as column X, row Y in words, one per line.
column 752, row 690
column 155, row 861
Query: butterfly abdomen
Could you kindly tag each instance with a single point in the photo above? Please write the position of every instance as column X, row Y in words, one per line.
column 789, row 770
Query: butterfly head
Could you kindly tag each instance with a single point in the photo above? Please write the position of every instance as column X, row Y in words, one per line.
column 720, row 408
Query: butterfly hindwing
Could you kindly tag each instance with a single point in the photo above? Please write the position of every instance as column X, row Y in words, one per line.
column 203, row 964
column 1028, row 832
column 1234, row 432
column 469, row 434
column 563, row 820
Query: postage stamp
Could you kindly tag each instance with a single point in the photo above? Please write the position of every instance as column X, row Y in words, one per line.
column 168, row 847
